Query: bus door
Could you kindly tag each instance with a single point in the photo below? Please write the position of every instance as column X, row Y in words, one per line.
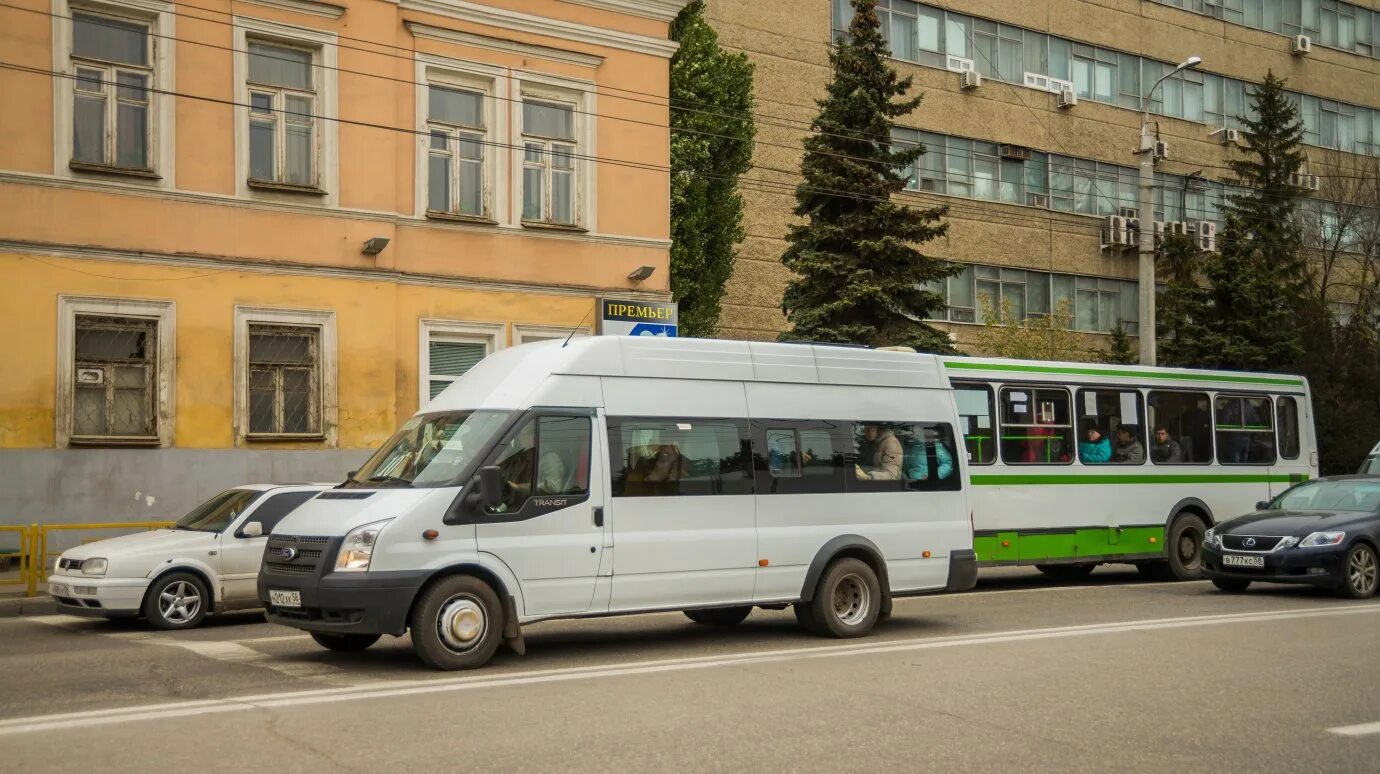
column 1292, row 446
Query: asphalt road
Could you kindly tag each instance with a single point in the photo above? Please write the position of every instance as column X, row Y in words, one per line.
column 1107, row 674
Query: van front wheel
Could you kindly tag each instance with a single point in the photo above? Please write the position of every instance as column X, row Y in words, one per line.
column 457, row 623
column 847, row 602
column 719, row 616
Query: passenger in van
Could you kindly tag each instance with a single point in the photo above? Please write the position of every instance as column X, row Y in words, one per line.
column 1095, row 449
column 884, row 462
column 917, row 466
column 1128, row 447
column 1164, row 449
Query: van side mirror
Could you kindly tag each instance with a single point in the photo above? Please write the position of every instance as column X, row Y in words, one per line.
column 1262, row 505
column 252, row 529
column 490, row 486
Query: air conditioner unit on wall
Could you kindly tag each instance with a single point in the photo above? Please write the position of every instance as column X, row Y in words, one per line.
column 1228, row 136
column 1067, row 98
column 1115, row 233
column 1306, row 182
column 1301, row 44
column 1161, row 149
column 958, row 64
column 1207, row 236
column 970, row 79
column 1018, row 152
column 1177, row 227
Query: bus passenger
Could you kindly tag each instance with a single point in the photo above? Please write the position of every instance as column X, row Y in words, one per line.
column 1164, row 449
column 1128, row 447
column 886, row 458
column 1096, row 450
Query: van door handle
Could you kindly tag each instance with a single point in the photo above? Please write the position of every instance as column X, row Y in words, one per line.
column 598, row 515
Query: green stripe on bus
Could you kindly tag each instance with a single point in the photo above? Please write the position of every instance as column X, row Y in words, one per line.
column 1017, row 479
column 1187, row 377
column 1076, row 543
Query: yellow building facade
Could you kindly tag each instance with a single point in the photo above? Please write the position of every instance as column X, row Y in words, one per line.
column 244, row 240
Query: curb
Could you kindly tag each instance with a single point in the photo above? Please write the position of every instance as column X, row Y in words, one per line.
column 20, row 606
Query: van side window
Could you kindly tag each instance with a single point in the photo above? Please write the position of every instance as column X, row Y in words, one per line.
column 783, row 453
column 1036, row 426
column 658, row 457
column 1110, row 427
column 977, row 421
column 275, row 508
column 547, row 456
column 1245, row 430
column 1287, row 410
column 1180, row 428
column 900, row 456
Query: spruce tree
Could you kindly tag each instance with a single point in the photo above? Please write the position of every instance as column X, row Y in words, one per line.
column 1256, row 283
column 711, row 145
column 858, row 276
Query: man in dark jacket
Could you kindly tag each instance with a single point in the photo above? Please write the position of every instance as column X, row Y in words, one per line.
column 1164, row 449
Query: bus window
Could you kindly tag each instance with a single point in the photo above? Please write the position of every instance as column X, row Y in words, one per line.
column 978, row 422
column 903, row 456
column 1245, row 432
column 1116, row 415
column 657, row 457
column 1036, row 426
column 1288, row 421
column 1180, row 428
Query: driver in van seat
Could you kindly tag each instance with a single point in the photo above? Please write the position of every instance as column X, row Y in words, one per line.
column 886, row 458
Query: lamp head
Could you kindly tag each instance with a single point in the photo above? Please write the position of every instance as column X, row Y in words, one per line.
column 1190, row 63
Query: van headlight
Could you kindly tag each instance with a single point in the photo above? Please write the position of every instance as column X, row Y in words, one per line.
column 358, row 548
column 1320, row 539
column 93, row 567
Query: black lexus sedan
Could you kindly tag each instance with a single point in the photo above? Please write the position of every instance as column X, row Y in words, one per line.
column 1323, row 533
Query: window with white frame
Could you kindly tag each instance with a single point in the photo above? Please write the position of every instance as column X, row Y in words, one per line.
column 450, row 349
column 115, row 371
column 112, row 61
column 526, row 334
column 549, row 184
column 283, row 98
column 456, row 151
column 284, row 374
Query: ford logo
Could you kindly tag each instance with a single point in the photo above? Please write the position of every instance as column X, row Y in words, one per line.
column 288, row 553
column 1248, row 542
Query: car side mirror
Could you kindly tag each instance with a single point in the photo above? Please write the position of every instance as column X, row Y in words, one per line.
column 490, row 486
column 1262, row 505
column 252, row 529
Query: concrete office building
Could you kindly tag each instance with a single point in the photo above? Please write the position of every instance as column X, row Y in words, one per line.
column 1031, row 177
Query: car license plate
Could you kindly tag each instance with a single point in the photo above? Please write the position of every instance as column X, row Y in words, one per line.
column 59, row 590
column 285, row 598
column 1243, row 561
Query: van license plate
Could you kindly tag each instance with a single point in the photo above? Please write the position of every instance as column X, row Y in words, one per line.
column 1243, row 561
column 285, row 598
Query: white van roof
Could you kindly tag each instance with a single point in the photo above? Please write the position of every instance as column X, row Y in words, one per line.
column 506, row 378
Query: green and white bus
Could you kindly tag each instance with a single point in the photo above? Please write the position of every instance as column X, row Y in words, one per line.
column 1211, row 445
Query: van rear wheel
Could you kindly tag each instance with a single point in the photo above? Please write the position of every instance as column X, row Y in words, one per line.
column 456, row 623
column 847, row 602
column 719, row 616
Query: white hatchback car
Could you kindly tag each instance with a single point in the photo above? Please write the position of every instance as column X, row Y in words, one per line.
column 208, row 562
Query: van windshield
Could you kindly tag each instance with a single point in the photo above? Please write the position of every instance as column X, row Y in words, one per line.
column 431, row 449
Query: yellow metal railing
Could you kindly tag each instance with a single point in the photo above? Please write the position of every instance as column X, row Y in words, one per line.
column 35, row 558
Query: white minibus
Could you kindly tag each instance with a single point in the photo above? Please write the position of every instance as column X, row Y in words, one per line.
column 609, row 475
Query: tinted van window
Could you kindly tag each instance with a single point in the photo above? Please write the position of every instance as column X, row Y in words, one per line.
column 661, row 457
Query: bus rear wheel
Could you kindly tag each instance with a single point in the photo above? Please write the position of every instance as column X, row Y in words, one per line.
column 1066, row 571
column 719, row 616
column 1184, row 545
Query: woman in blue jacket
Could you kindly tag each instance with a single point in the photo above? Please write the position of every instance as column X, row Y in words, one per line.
column 1096, row 449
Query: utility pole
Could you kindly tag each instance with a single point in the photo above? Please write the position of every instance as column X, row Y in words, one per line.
column 1146, row 220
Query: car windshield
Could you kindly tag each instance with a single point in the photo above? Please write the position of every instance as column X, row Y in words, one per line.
column 1360, row 496
column 431, row 449
column 215, row 514
column 1371, row 465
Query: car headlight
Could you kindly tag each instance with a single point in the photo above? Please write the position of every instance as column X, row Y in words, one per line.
column 358, row 548
column 1288, row 542
column 1318, row 539
column 93, row 567
column 1211, row 539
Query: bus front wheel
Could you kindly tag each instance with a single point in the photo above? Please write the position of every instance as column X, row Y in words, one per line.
column 1184, row 546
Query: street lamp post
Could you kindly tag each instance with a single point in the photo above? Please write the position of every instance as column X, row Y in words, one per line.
column 1147, row 219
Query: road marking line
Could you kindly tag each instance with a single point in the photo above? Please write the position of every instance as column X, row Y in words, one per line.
column 449, row 684
column 1363, row 729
